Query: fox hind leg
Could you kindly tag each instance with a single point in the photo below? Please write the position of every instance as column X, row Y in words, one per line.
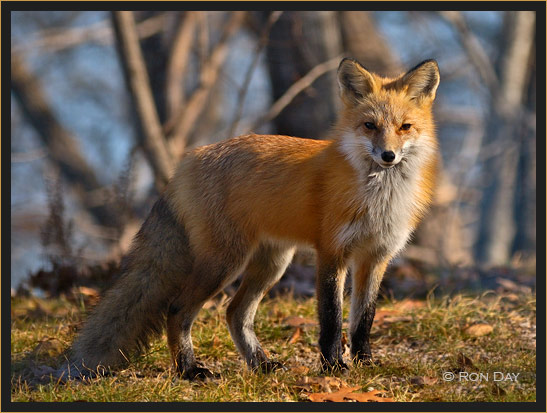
column 208, row 277
column 265, row 268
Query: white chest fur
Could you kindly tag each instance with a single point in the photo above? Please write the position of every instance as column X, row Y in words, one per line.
column 388, row 198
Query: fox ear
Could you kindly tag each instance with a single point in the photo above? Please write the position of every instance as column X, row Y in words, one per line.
column 422, row 81
column 354, row 80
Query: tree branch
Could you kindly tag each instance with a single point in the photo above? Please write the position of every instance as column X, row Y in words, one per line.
column 55, row 40
column 475, row 51
column 274, row 16
column 296, row 88
column 138, row 82
column 62, row 147
column 178, row 62
column 184, row 122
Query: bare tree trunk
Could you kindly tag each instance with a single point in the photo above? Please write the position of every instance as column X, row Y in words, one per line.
column 138, row 82
column 155, row 51
column 497, row 224
column 525, row 238
column 298, row 42
column 62, row 147
column 363, row 42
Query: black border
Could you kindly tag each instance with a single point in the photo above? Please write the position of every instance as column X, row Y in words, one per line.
column 272, row 5
column 8, row 405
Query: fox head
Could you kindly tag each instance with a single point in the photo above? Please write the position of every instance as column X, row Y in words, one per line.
column 387, row 120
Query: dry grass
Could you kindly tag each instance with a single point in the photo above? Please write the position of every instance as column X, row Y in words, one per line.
column 413, row 342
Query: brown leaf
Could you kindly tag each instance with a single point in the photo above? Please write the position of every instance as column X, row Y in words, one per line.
column 332, row 397
column 90, row 295
column 325, row 383
column 497, row 390
column 370, row 396
column 382, row 314
column 464, row 361
column 49, row 346
column 347, row 394
column 512, row 297
column 87, row 291
column 423, row 380
column 344, row 340
column 296, row 321
column 216, row 342
column 478, row 330
column 295, row 335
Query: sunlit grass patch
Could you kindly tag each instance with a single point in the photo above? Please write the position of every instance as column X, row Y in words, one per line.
column 414, row 343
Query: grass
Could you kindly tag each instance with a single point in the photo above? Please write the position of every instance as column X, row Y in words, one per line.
column 413, row 342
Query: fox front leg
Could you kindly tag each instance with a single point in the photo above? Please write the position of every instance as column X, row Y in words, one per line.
column 366, row 283
column 330, row 288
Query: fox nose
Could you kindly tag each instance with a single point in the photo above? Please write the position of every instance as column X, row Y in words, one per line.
column 388, row 156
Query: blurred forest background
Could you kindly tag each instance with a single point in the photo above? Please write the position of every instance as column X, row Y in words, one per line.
column 103, row 104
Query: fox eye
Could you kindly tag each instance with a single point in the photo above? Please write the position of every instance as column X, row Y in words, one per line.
column 370, row 125
column 406, row 126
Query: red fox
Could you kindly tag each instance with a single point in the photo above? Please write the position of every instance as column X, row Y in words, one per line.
column 244, row 204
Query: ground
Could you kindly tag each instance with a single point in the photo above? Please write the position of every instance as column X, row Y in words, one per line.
column 458, row 348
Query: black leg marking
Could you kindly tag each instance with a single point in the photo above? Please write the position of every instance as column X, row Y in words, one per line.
column 360, row 344
column 330, row 283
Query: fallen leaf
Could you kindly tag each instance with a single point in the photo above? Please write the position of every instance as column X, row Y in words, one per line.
column 512, row 297
column 216, row 342
column 344, row 340
column 478, row 330
column 382, row 314
column 332, row 397
column 49, row 346
column 423, row 381
column 325, row 383
column 87, row 291
column 295, row 335
column 347, row 394
column 464, row 361
column 497, row 390
column 370, row 396
column 296, row 321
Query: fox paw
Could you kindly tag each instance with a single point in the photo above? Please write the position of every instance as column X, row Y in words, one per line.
column 269, row 366
column 337, row 366
column 364, row 359
column 199, row 373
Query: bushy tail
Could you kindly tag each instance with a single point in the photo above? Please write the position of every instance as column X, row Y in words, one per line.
column 134, row 309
